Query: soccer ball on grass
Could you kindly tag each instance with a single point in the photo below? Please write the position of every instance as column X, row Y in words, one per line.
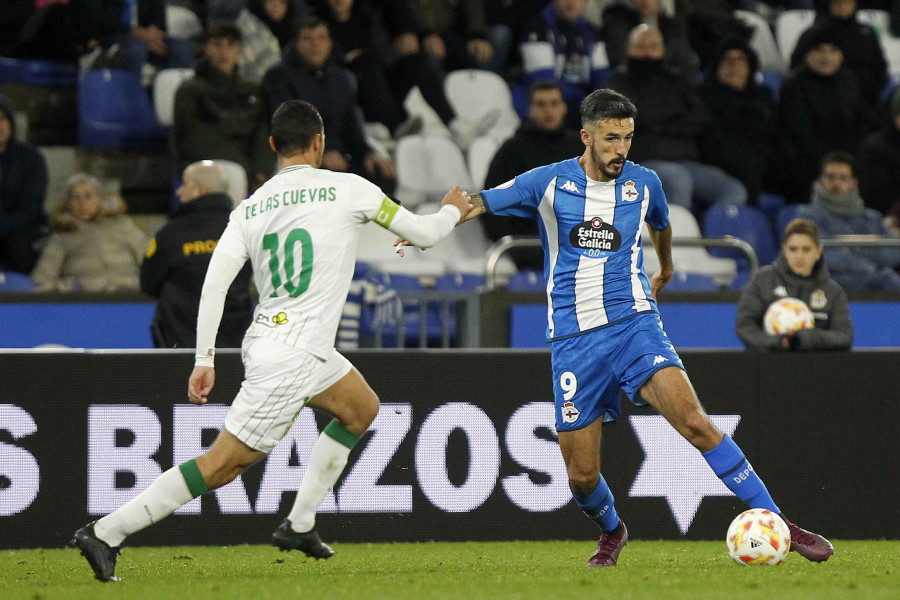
column 758, row 537
column 787, row 316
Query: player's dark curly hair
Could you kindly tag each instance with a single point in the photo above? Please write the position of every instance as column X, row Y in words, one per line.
column 294, row 125
column 606, row 104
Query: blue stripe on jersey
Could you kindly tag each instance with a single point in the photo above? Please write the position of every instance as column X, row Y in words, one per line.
column 591, row 233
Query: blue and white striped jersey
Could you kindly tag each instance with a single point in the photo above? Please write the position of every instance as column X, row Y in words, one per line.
column 591, row 233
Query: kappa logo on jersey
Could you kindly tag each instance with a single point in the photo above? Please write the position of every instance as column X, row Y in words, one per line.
column 780, row 291
column 659, row 360
column 570, row 414
column 279, row 319
column 594, row 238
column 570, row 187
column 629, row 192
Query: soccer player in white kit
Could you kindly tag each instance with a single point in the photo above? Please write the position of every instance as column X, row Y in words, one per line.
column 300, row 231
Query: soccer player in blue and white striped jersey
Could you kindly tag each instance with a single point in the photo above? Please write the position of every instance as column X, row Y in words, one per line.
column 602, row 320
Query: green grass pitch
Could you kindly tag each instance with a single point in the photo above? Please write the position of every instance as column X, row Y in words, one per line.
column 469, row 571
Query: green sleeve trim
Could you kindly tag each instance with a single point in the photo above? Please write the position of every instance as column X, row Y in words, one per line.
column 341, row 435
column 387, row 212
column 193, row 477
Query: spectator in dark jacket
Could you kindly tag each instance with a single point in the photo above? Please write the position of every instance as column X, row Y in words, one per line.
column 838, row 210
column 798, row 272
column 308, row 73
column 177, row 258
column 667, row 135
column 879, row 164
column 219, row 115
column 821, row 110
column 457, row 35
column 859, row 44
column 542, row 139
column 40, row 30
column 621, row 17
column 23, row 186
column 741, row 136
column 139, row 28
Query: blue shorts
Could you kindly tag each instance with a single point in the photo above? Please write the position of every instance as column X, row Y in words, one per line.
column 589, row 369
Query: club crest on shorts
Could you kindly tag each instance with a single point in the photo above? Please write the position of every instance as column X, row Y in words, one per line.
column 570, row 414
column 595, row 239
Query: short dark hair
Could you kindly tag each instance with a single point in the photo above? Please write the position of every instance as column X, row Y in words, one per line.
column 294, row 125
column 310, row 22
column 222, row 28
column 605, row 104
column 802, row 227
column 840, row 157
column 542, row 85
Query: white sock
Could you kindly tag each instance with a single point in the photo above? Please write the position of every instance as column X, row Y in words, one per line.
column 165, row 495
column 326, row 462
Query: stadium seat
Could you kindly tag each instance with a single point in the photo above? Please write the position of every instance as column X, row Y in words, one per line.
column 691, row 282
column 428, row 166
column 773, row 81
column 376, row 246
column 38, row 72
column 237, row 180
column 785, row 215
column 527, row 281
column 114, row 111
column 689, row 259
column 473, row 92
column 182, row 22
column 763, row 42
column 789, row 26
column 879, row 20
column 165, row 84
column 411, row 315
column 770, row 204
column 743, row 222
column 479, row 157
column 10, row 281
column 446, row 310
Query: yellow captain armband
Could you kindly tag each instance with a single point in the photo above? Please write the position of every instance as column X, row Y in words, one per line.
column 386, row 212
column 151, row 248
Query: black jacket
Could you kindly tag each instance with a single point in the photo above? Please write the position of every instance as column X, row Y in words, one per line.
column 174, row 270
column 23, row 182
column 620, row 19
column 879, row 169
column 331, row 89
column 831, row 311
column 741, row 136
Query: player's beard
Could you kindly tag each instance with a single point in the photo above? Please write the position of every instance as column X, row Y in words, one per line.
column 610, row 170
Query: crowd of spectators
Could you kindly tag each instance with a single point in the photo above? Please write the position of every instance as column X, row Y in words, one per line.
column 711, row 129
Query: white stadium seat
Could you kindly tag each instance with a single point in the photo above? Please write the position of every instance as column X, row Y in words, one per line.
column 763, row 42
column 182, row 22
column 428, row 166
column 473, row 93
column 789, row 26
column 237, row 180
column 479, row 157
column 165, row 84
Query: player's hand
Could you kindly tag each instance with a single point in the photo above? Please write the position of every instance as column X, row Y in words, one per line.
column 399, row 244
column 460, row 199
column 200, row 384
column 659, row 280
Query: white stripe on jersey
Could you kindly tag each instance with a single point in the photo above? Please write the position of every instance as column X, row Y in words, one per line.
column 548, row 216
column 641, row 303
column 599, row 201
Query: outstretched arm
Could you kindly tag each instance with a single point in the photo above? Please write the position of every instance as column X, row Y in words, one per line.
column 478, row 208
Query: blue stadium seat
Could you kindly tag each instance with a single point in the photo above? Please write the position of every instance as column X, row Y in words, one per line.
column 452, row 282
column 527, row 281
column 114, row 111
column 38, row 72
column 10, row 281
column 744, row 222
column 411, row 316
column 691, row 282
column 773, row 80
column 787, row 214
column 770, row 204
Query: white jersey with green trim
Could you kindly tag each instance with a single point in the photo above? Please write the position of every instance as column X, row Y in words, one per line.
column 300, row 232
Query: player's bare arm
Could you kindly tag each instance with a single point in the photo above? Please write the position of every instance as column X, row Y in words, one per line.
column 662, row 242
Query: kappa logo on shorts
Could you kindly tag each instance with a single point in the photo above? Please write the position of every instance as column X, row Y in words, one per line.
column 570, row 414
column 279, row 319
column 659, row 359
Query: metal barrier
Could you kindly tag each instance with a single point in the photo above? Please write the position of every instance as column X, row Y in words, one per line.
column 505, row 244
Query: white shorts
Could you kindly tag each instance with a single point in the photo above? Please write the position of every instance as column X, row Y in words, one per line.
column 279, row 380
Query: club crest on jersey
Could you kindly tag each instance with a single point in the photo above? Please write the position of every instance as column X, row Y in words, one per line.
column 595, row 239
column 570, row 414
column 629, row 192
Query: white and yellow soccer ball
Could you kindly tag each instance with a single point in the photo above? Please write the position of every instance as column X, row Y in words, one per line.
column 787, row 316
column 758, row 537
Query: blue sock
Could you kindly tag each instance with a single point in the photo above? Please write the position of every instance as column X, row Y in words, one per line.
column 599, row 507
column 729, row 464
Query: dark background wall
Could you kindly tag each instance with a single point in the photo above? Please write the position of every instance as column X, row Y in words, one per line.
column 466, row 441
